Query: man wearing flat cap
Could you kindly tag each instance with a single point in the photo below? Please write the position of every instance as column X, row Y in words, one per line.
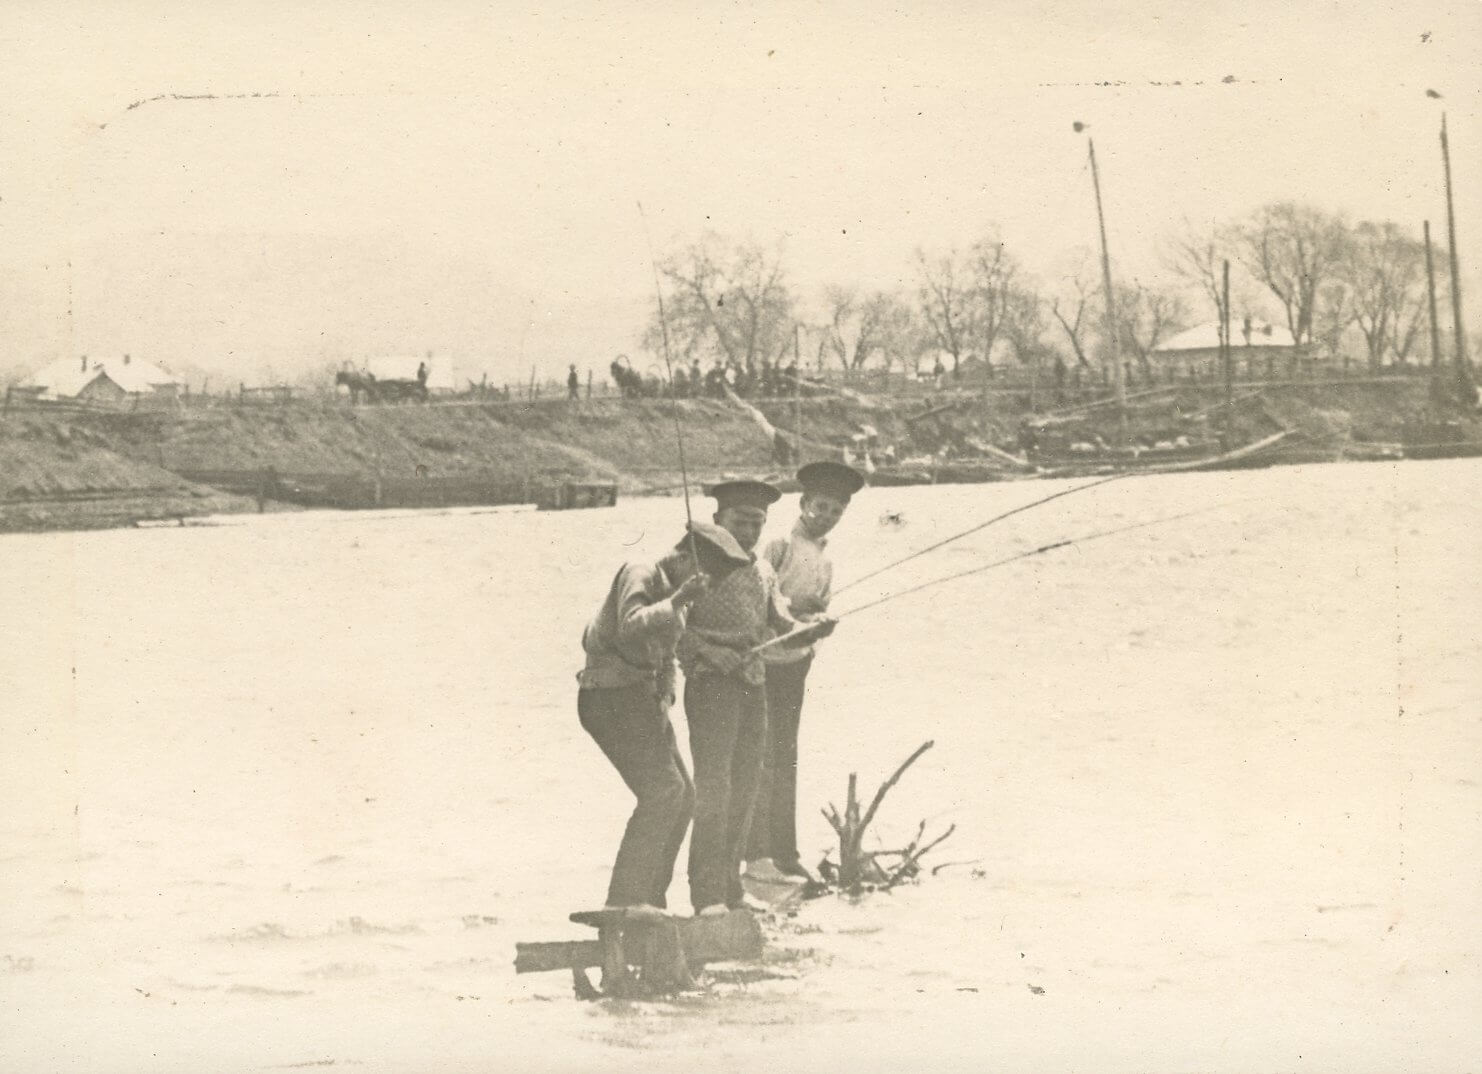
column 725, row 698
column 805, row 575
column 625, row 692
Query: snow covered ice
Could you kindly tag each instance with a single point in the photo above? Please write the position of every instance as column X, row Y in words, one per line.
column 287, row 791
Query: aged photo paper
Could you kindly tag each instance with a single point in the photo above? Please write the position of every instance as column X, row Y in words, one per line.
column 740, row 536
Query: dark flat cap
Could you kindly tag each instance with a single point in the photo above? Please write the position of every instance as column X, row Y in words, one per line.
column 719, row 540
column 831, row 479
column 744, row 494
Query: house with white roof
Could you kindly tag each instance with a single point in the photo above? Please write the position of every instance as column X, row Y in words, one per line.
column 1256, row 347
column 102, row 380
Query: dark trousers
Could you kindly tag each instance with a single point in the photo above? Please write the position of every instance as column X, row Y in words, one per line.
column 774, row 821
column 728, row 731
column 633, row 730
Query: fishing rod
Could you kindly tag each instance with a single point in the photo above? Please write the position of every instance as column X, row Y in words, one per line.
column 981, row 526
column 1041, row 550
column 684, row 475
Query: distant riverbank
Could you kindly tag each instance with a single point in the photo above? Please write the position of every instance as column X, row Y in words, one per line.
column 73, row 468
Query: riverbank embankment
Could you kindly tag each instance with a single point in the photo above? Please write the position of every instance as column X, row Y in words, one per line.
column 71, row 467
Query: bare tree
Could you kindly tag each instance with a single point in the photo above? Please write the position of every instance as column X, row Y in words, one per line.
column 1384, row 271
column 1146, row 316
column 861, row 326
column 945, row 298
column 995, row 275
column 1198, row 259
column 1025, row 323
column 1334, row 315
column 846, row 334
column 1074, row 312
column 1293, row 250
column 1412, row 322
column 898, row 330
column 728, row 301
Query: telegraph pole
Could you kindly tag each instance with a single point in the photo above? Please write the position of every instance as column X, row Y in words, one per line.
column 1227, row 356
column 1463, row 374
column 797, row 390
column 1111, row 314
column 1430, row 286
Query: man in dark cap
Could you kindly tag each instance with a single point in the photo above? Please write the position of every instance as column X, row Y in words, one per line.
column 725, row 698
column 626, row 689
column 805, row 576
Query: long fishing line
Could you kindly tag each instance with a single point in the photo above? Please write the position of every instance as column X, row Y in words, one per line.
column 980, row 526
column 1064, row 543
column 1040, row 550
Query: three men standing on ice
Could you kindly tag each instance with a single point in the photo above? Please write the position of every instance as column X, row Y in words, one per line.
column 713, row 622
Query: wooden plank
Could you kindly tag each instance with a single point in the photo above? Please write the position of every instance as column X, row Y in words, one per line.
column 561, row 955
column 705, row 939
column 598, row 919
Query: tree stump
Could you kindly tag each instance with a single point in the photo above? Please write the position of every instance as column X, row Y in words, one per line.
column 857, row 867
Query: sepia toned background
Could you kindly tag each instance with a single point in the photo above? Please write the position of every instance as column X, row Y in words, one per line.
column 464, row 179
column 283, row 793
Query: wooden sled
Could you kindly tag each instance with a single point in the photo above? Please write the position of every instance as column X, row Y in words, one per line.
column 643, row 957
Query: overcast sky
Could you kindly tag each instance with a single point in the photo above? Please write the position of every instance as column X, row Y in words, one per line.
column 464, row 178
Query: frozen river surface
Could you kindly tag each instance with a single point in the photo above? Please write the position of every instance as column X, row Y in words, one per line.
column 284, row 794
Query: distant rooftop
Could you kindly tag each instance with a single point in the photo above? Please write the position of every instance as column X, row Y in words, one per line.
column 1206, row 337
column 65, row 377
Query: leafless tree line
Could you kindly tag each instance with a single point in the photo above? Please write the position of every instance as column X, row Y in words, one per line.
column 1326, row 275
column 977, row 307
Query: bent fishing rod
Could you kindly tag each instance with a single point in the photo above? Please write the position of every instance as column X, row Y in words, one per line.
column 980, row 526
column 1041, row 550
column 684, row 476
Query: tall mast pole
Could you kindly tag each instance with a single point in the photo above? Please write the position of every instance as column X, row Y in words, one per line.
column 1430, row 287
column 1227, row 359
column 1111, row 313
column 1463, row 374
column 797, row 390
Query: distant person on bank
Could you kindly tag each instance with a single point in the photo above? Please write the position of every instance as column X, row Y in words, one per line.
column 725, row 700
column 805, row 575
column 626, row 689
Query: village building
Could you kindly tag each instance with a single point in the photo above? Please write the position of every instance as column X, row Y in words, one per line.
column 109, row 381
column 1257, row 348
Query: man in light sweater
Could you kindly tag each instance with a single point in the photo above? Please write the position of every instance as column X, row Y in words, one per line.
column 805, row 576
column 625, row 692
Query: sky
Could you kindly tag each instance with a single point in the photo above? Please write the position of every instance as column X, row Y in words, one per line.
column 307, row 183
